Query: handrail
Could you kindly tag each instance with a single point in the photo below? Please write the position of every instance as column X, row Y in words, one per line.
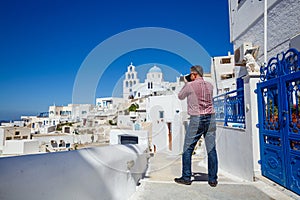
column 229, row 108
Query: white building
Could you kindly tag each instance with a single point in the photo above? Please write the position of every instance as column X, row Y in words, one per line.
column 119, row 136
column 39, row 124
column 16, row 140
column 13, row 123
column 71, row 112
column 20, row 147
column 109, row 105
column 168, row 116
column 248, row 31
column 224, row 72
column 130, row 80
column 247, row 26
column 153, row 85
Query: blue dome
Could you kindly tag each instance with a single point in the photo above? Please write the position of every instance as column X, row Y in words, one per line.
column 155, row 69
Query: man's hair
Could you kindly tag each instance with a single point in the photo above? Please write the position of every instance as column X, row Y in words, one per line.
column 198, row 69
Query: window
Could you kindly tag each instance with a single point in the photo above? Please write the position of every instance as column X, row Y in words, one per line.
column 62, row 143
column 67, row 130
column 161, row 114
column 226, row 76
column 225, row 61
column 226, row 90
column 53, row 143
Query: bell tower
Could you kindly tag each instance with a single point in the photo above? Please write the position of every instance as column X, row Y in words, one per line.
column 130, row 80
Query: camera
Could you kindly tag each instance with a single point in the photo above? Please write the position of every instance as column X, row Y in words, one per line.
column 186, row 77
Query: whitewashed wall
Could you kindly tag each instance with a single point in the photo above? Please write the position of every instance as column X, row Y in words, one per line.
column 247, row 24
column 124, row 122
column 19, row 147
column 234, row 152
column 46, row 139
column 143, row 136
column 238, row 149
column 174, row 113
column 110, row 172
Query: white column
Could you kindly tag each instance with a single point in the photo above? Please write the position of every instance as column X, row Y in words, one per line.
column 251, row 116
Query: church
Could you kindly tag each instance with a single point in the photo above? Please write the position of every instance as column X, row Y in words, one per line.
column 154, row 84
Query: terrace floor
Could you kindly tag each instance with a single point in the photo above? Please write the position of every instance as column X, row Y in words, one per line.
column 159, row 183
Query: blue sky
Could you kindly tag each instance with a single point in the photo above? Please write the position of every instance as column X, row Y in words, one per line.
column 43, row 44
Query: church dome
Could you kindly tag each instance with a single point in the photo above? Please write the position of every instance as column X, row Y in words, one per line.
column 154, row 69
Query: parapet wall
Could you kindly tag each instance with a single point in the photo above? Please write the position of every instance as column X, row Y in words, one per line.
column 234, row 148
column 238, row 149
column 110, row 172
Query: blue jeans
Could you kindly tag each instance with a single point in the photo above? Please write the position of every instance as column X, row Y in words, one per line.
column 206, row 125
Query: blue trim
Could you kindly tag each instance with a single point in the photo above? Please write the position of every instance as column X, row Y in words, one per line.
column 229, row 108
column 279, row 119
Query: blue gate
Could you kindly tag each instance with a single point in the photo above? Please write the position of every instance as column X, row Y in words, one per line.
column 279, row 119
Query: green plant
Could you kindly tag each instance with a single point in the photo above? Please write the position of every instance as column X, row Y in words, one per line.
column 133, row 107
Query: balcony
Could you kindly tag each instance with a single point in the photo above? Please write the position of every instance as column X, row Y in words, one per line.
column 113, row 172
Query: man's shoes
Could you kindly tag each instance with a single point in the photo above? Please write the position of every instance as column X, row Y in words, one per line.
column 183, row 181
column 213, row 183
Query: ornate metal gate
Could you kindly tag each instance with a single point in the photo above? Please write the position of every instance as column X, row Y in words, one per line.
column 279, row 119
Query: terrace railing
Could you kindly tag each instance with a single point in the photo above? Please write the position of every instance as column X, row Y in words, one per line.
column 229, row 108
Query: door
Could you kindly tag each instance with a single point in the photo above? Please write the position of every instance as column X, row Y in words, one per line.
column 279, row 120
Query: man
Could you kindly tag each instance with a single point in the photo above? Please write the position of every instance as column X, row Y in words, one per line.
column 202, row 122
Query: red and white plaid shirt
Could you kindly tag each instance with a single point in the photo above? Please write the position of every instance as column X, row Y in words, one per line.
column 199, row 95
